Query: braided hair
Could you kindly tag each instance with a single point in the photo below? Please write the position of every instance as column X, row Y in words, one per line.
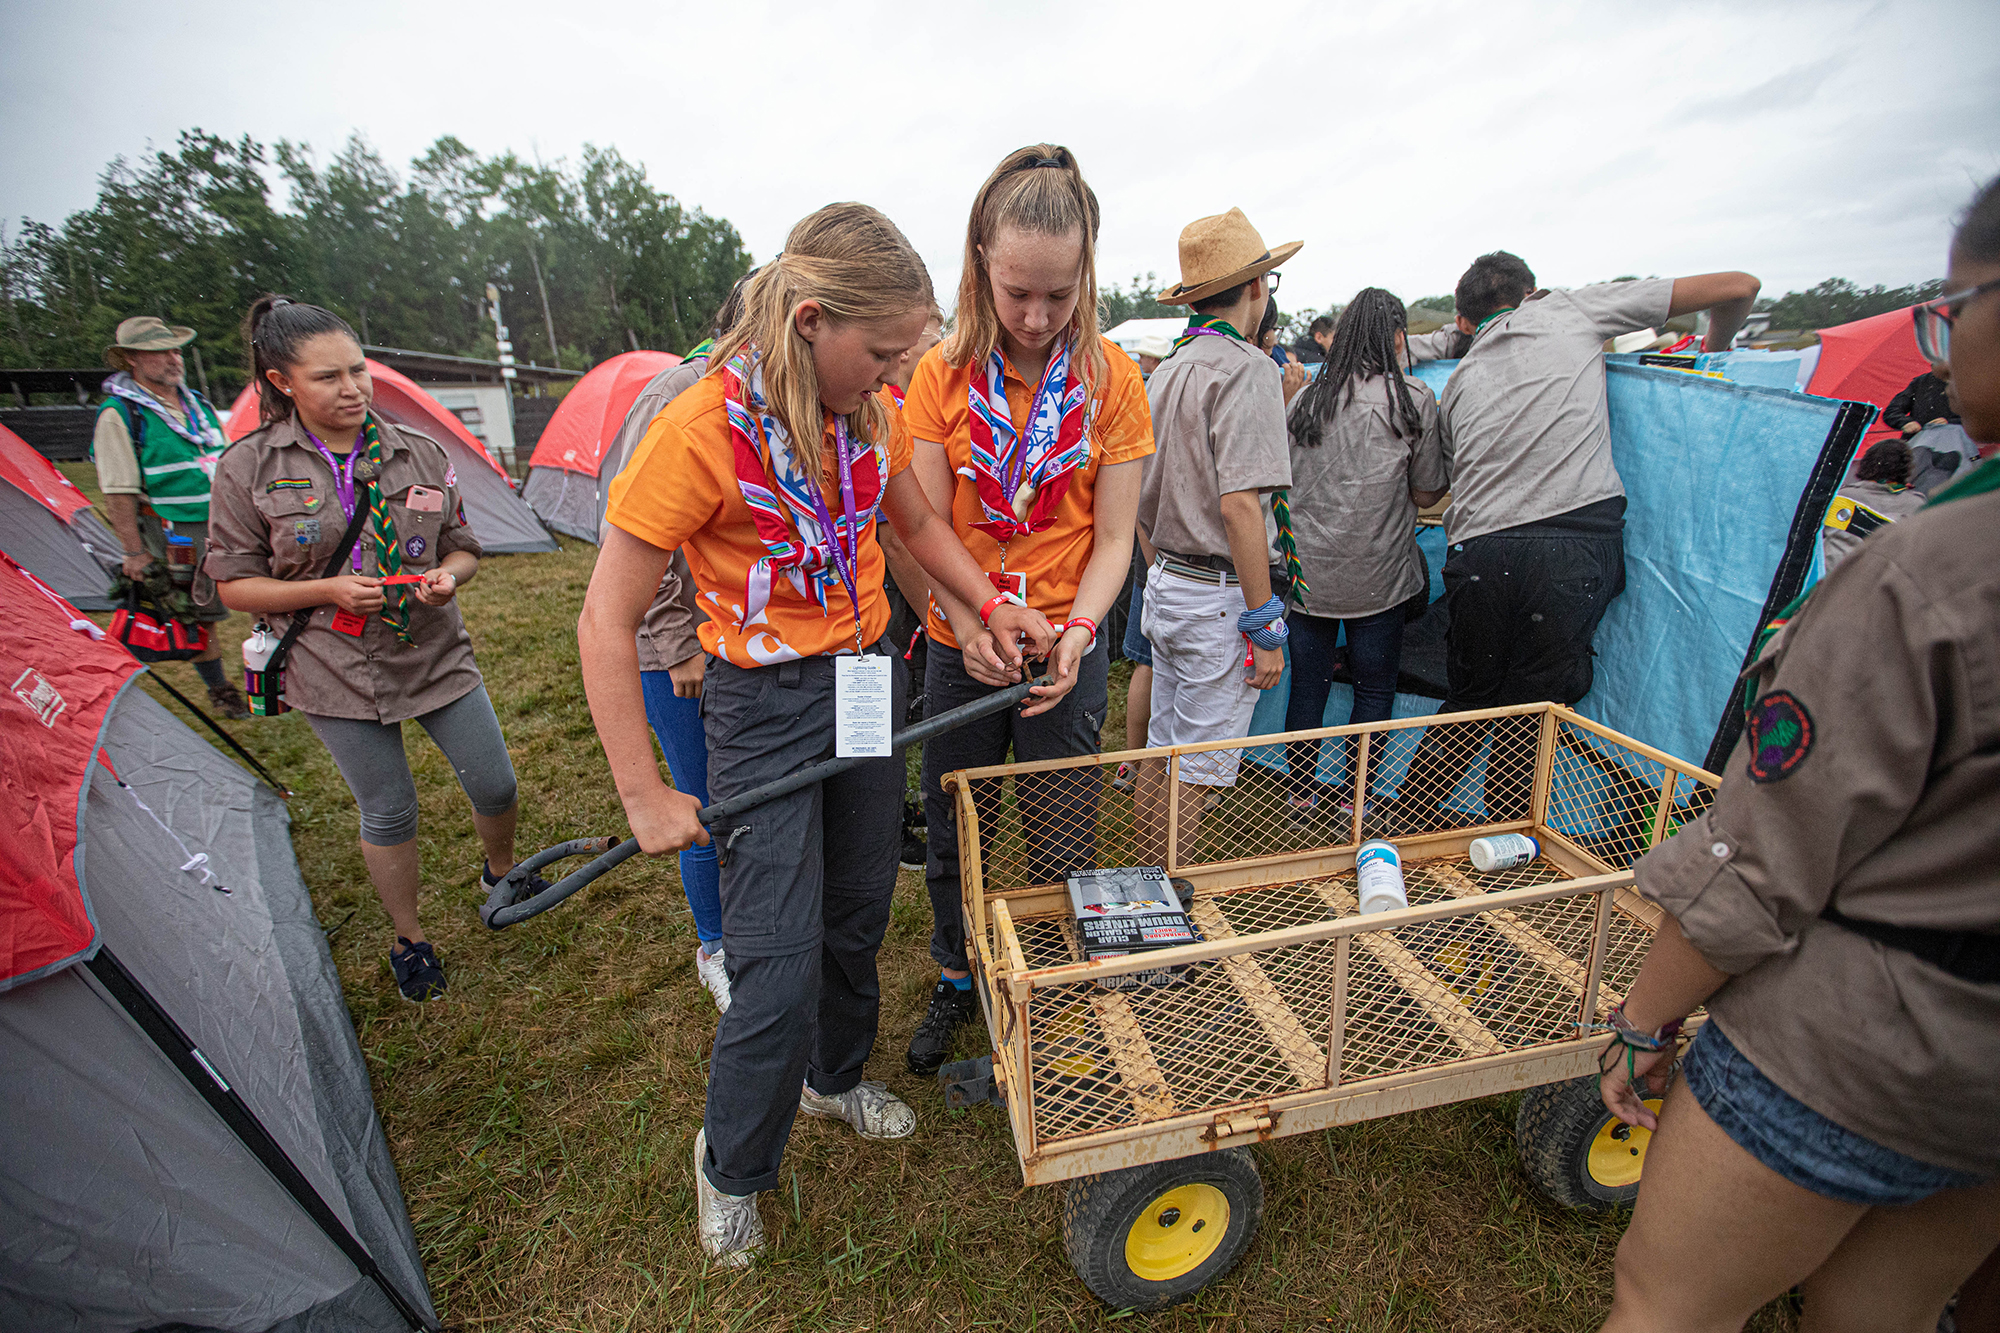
column 1364, row 344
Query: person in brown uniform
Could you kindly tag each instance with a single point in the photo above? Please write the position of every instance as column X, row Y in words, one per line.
column 1837, row 1124
column 375, row 652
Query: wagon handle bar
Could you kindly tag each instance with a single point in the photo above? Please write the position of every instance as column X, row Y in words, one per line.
column 504, row 907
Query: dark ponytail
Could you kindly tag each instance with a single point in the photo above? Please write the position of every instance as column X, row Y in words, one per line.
column 275, row 330
column 1364, row 343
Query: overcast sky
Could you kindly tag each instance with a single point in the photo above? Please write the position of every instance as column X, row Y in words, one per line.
column 1398, row 140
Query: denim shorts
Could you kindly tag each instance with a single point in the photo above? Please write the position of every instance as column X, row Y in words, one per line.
column 1137, row 650
column 1798, row 1142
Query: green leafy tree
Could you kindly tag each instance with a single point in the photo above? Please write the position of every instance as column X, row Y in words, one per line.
column 1839, row 301
column 1116, row 304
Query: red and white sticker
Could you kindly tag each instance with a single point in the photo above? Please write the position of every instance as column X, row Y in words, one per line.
column 33, row 689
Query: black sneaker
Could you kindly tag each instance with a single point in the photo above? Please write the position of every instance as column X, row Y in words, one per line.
column 227, row 700
column 419, row 974
column 533, row 885
column 951, row 1008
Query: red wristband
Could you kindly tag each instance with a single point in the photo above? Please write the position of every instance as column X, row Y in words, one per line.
column 986, row 611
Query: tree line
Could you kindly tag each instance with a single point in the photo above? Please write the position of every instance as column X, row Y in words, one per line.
column 589, row 258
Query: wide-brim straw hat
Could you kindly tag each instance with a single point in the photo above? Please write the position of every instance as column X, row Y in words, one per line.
column 148, row 333
column 1219, row 252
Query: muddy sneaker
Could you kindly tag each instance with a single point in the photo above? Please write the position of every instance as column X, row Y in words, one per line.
column 869, row 1106
column 714, row 974
column 732, row 1234
column 950, row 1009
column 227, row 700
column 419, row 975
column 1122, row 779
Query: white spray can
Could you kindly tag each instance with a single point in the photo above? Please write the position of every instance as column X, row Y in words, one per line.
column 257, row 651
column 1503, row 851
column 1379, row 868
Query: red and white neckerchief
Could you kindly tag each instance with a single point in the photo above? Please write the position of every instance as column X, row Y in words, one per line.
column 1022, row 476
column 788, row 505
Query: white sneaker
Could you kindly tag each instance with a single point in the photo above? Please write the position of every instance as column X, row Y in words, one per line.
column 732, row 1233
column 873, row 1110
column 714, row 974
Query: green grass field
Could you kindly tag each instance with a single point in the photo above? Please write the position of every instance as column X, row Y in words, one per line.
column 543, row 1115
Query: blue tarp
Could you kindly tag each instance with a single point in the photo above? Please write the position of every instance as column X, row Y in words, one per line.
column 1714, row 472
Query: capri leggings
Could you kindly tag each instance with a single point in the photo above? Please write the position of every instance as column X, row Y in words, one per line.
column 677, row 724
column 370, row 756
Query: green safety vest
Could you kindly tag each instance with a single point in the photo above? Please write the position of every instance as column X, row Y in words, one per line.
column 175, row 470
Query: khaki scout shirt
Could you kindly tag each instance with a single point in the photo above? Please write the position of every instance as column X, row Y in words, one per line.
column 669, row 634
column 1869, row 778
column 1219, row 425
column 275, row 514
column 1352, row 515
column 1527, row 433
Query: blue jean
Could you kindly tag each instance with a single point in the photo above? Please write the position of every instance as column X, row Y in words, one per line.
column 677, row 724
column 1374, row 655
column 1798, row 1142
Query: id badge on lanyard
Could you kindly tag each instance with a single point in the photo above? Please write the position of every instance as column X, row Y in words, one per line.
column 862, row 705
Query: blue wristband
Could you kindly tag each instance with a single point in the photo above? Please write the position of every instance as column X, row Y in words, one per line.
column 1272, row 636
column 1252, row 620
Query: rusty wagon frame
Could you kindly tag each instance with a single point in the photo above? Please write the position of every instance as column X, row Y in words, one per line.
column 1293, row 1013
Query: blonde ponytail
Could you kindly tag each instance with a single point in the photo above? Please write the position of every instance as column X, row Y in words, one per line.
column 1040, row 189
column 856, row 264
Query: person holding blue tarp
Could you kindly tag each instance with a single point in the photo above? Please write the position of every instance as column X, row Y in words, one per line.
column 1537, row 517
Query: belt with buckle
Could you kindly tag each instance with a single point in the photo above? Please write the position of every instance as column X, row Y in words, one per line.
column 1213, row 569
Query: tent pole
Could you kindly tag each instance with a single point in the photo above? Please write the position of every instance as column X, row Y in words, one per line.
column 158, row 1024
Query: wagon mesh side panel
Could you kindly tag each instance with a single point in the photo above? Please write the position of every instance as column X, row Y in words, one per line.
column 1257, row 1024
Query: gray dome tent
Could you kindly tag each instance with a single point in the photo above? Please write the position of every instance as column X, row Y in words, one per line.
column 191, row 1138
column 47, row 526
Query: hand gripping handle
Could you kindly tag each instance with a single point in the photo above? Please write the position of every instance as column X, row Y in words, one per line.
column 504, row 905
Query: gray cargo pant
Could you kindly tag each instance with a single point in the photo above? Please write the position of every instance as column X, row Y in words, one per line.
column 805, row 903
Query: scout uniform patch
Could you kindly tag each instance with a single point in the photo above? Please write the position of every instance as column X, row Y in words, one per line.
column 1847, row 514
column 1781, row 736
column 415, row 547
column 306, row 531
column 289, row 484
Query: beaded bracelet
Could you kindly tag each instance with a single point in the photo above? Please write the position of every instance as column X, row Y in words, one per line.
column 1623, row 1031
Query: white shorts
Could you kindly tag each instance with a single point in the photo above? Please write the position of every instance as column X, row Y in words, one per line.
column 1199, row 690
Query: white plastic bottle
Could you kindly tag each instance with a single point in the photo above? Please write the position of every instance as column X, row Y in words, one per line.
column 1379, row 868
column 257, row 650
column 1503, row 851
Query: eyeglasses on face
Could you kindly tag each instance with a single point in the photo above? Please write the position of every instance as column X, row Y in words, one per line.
column 1934, row 319
column 1271, row 281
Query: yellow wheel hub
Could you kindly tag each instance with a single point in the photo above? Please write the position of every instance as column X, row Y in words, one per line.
column 1618, row 1152
column 1177, row 1232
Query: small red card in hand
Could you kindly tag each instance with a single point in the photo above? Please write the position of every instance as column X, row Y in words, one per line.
column 346, row 622
column 403, row 578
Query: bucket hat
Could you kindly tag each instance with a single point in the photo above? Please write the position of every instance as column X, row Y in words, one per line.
column 148, row 333
column 1219, row 252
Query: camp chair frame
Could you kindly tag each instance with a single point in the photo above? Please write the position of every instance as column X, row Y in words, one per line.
column 1293, row 1013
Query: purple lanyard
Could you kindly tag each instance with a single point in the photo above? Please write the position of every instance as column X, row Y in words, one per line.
column 846, row 559
column 343, row 484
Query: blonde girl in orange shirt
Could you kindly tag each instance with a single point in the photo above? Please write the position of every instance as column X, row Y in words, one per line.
column 1029, row 431
column 745, row 473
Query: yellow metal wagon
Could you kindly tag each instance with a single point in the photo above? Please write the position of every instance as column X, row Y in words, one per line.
column 1140, row 1081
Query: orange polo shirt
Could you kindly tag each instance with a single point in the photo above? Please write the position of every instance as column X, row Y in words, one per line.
column 680, row 490
column 937, row 408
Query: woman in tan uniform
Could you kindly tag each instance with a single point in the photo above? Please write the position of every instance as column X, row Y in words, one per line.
column 1837, row 1125
column 376, row 651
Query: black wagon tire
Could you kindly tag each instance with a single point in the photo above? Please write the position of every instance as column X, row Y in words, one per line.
column 1152, row 1236
column 1576, row 1151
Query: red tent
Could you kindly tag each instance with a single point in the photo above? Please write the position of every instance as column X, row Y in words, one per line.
column 397, row 397
column 1869, row 361
column 565, row 483
column 59, row 689
column 28, row 470
column 46, row 527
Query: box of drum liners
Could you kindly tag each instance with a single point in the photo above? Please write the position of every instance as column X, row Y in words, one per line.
column 1127, row 910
